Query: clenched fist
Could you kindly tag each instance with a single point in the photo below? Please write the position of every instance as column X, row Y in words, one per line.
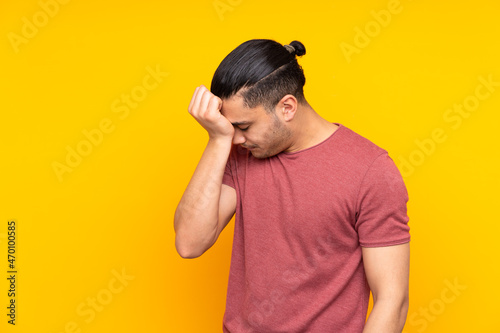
column 205, row 108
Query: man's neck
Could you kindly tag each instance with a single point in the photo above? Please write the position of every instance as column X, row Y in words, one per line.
column 309, row 129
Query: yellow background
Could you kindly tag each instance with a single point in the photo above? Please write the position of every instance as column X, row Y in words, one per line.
column 114, row 211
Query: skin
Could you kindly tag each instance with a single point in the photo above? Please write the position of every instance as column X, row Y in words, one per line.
column 207, row 205
column 292, row 126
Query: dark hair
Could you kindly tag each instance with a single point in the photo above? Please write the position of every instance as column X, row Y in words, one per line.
column 265, row 69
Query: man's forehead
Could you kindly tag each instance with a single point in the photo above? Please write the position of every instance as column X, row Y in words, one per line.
column 235, row 111
column 232, row 103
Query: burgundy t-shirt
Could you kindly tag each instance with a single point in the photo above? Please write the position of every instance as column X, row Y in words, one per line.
column 301, row 220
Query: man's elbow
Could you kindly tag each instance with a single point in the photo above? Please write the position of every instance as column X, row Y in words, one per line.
column 184, row 244
column 190, row 241
column 186, row 251
column 186, row 254
column 189, row 248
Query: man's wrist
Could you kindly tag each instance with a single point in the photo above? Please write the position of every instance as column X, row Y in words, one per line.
column 223, row 141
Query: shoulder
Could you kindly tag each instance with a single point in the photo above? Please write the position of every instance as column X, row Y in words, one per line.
column 356, row 148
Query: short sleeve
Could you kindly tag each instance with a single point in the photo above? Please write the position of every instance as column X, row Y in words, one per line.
column 381, row 212
column 227, row 178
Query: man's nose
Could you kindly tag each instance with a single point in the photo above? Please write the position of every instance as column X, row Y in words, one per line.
column 238, row 137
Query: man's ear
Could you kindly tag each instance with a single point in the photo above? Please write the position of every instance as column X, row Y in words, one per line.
column 287, row 107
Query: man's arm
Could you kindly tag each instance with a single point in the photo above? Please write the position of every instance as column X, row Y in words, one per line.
column 206, row 205
column 387, row 271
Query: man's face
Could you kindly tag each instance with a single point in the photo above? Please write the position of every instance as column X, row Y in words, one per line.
column 264, row 134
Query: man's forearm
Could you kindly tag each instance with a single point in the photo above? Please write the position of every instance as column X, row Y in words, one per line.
column 387, row 316
column 196, row 216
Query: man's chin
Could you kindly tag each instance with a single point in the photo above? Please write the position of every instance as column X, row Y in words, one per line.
column 258, row 153
column 255, row 153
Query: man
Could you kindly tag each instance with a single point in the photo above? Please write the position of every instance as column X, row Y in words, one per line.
column 320, row 211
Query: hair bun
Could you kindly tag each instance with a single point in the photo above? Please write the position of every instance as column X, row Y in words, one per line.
column 300, row 49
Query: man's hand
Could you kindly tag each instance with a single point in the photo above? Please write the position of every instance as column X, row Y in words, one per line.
column 205, row 108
